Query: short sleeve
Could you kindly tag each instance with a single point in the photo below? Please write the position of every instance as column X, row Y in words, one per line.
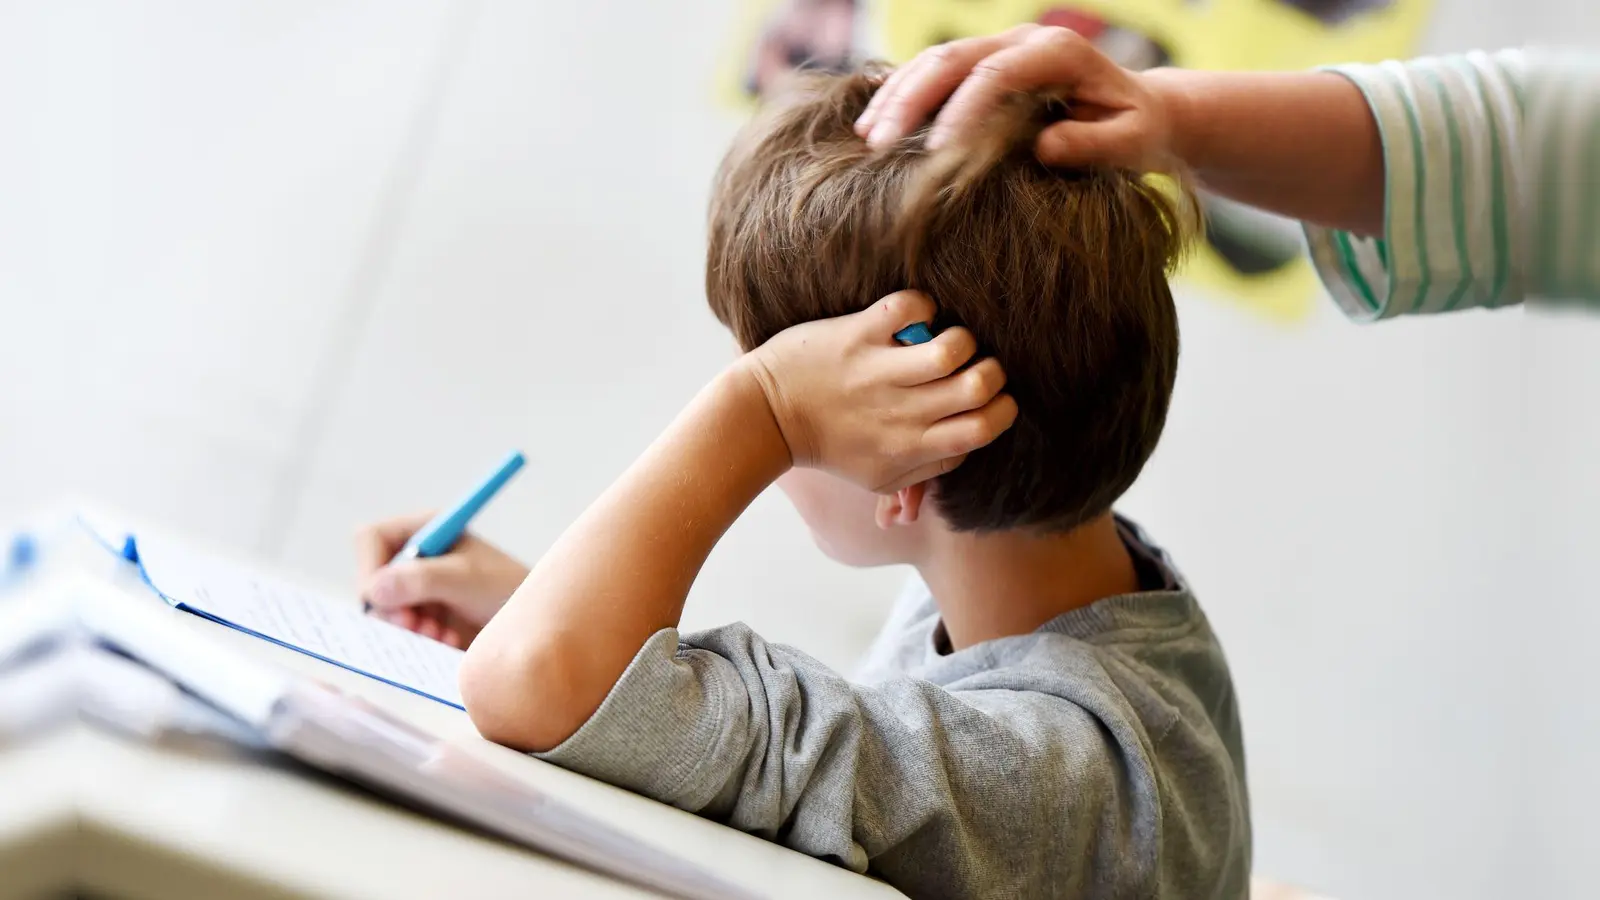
column 985, row 792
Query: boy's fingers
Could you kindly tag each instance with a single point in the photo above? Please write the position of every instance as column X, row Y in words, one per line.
column 429, row 627
column 949, row 350
column 969, row 431
column 924, row 473
column 968, row 390
column 893, row 313
column 378, row 542
column 417, row 581
column 372, row 549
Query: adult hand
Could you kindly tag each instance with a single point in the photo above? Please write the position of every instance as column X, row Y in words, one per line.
column 448, row 598
column 1116, row 117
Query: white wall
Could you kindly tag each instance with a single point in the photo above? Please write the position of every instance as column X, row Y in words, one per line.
column 270, row 270
column 307, row 264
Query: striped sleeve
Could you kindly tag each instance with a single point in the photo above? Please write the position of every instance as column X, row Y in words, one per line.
column 1562, row 154
column 1491, row 162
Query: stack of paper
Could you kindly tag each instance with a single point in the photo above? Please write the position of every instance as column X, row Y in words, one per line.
column 77, row 649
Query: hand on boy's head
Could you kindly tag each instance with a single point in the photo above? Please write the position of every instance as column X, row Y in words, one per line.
column 447, row 598
column 1116, row 118
column 851, row 400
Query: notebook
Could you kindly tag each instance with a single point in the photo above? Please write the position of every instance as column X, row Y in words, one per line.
column 291, row 616
column 167, row 681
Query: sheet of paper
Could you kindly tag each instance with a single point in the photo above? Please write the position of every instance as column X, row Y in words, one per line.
column 245, row 687
column 321, row 626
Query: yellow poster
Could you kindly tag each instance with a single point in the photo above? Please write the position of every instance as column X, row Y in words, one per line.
column 1249, row 258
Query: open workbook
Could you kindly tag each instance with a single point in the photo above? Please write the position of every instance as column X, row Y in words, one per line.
column 276, row 610
column 75, row 649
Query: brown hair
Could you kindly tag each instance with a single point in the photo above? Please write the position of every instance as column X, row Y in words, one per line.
column 1060, row 275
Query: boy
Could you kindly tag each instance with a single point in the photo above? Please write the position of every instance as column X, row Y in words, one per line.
column 1048, row 712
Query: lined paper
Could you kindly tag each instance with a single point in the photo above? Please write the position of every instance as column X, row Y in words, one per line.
column 300, row 619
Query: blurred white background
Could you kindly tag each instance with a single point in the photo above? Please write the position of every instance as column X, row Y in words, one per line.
column 269, row 270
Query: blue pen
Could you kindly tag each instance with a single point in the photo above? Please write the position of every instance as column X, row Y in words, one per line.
column 442, row 531
column 915, row 333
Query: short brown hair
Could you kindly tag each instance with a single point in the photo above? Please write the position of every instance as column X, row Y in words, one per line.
column 1060, row 275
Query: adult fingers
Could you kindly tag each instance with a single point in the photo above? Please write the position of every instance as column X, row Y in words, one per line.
column 904, row 103
column 882, row 95
column 1111, row 142
column 1047, row 58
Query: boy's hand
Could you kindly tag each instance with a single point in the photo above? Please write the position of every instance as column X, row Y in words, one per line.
column 851, row 400
column 448, row 598
column 1117, row 117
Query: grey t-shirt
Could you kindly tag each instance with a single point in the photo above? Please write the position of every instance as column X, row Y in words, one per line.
column 1099, row 756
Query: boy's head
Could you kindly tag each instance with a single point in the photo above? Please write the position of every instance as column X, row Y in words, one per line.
column 1060, row 275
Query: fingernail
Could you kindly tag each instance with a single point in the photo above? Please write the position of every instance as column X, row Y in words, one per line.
column 937, row 137
column 881, row 134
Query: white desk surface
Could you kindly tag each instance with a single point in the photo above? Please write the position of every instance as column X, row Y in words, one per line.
column 164, row 821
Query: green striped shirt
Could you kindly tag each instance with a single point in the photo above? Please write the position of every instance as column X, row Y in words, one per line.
column 1492, row 166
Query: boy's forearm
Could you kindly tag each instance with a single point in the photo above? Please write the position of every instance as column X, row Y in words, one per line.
column 1301, row 144
column 622, row 572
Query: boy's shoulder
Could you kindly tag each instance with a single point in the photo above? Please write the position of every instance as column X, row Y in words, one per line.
column 1163, row 610
column 1150, row 655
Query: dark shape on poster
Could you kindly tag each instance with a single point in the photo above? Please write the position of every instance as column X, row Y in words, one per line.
column 1335, row 12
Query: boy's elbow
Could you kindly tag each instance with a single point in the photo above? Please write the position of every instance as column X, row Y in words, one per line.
column 509, row 697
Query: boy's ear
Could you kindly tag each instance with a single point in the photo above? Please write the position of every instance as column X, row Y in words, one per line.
column 901, row 507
